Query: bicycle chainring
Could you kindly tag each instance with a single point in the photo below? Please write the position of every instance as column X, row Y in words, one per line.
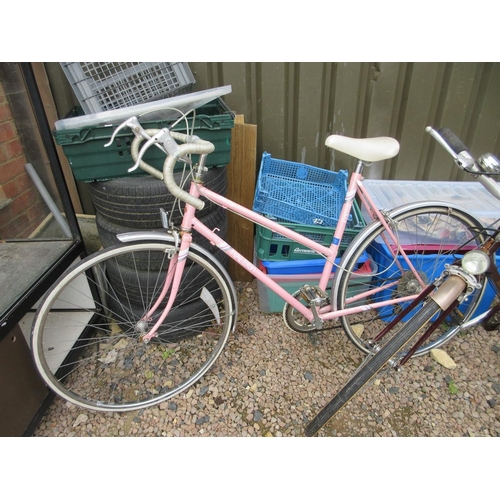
column 295, row 320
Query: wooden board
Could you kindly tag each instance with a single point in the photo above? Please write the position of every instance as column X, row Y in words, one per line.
column 51, row 113
column 241, row 188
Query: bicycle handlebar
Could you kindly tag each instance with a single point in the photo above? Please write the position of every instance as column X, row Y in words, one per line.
column 462, row 157
column 456, row 145
column 191, row 145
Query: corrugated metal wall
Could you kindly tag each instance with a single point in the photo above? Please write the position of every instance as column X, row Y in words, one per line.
column 297, row 105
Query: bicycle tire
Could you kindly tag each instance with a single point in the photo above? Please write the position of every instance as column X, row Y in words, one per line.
column 100, row 362
column 135, row 201
column 455, row 225
column 372, row 366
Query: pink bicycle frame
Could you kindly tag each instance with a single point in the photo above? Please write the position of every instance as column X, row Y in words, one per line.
column 330, row 253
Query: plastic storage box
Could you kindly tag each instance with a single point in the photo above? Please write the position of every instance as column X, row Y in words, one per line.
column 471, row 196
column 299, row 193
column 91, row 161
column 101, row 86
column 270, row 302
column 275, row 247
column 313, row 266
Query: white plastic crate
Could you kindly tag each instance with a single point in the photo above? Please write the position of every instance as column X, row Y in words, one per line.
column 103, row 86
column 471, row 196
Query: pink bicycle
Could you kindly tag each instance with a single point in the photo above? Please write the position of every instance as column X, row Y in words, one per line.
column 148, row 318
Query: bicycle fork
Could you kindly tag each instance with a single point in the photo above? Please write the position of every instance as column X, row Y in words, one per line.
column 450, row 292
column 447, row 298
column 172, row 282
column 173, row 275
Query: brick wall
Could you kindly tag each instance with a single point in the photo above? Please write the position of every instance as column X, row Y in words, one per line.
column 22, row 208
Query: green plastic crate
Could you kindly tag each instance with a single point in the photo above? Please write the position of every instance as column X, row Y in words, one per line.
column 91, row 161
column 275, row 247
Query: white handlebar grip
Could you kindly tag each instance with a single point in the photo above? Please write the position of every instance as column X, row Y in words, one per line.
column 168, row 178
column 192, row 145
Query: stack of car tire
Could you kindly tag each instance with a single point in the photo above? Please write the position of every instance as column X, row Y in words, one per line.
column 133, row 204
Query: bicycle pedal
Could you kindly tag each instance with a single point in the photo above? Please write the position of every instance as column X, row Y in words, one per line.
column 314, row 295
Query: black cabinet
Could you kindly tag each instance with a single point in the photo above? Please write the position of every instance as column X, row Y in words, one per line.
column 29, row 263
column 23, row 394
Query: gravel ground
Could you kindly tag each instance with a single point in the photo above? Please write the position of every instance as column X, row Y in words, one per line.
column 270, row 381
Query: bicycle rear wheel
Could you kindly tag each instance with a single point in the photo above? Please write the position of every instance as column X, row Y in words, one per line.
column 373, row 365
column 432, row 235
column 87, row 332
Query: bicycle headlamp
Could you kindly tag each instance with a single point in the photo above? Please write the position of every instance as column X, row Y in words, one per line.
column 475, row 262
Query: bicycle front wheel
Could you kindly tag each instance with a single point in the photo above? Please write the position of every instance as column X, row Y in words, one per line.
column 373, row 365
column 87, row 333
column 431, row 235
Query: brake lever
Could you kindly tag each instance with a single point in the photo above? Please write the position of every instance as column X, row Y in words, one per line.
column 134, row 125
column 164, row 140
column 151, row 140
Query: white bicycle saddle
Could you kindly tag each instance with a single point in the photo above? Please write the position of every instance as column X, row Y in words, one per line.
column 371, row 149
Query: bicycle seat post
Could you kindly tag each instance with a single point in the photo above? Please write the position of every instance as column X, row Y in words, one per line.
column 360, row 165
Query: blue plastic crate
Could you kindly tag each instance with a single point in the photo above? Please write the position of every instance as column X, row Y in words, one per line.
column 299, row 193
column 428, row 265
column 312, row 266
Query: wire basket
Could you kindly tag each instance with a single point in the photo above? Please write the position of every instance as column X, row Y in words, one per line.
column 299, row 193
column 103, row 86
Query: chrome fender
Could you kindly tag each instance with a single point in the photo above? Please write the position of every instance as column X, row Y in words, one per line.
column 145, row 235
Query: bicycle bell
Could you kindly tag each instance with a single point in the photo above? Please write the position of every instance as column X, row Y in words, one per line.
column 489, row 163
